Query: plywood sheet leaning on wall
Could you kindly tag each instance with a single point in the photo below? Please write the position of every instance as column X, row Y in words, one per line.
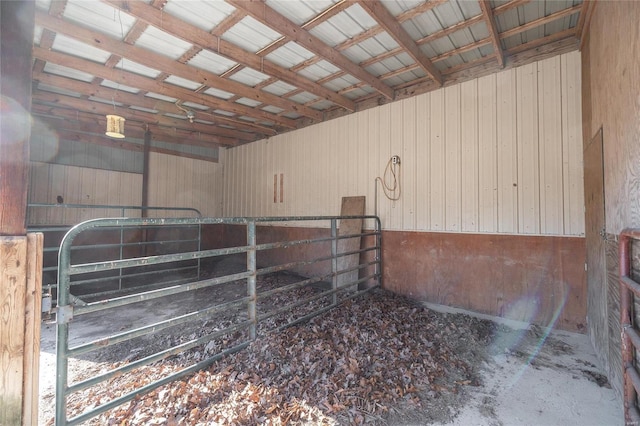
column 351, row 206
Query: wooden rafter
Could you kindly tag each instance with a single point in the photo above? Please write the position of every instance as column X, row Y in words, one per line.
column 155, row 60
column 490, row 21
column 156, row 86
column 227, row 136
column 582, row 29
column 206, row 41
column 269, row 17
column 387, row 21
column 541, row 21
column 75, row 120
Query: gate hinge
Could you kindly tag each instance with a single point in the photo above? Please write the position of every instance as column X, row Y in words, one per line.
column 64, row 314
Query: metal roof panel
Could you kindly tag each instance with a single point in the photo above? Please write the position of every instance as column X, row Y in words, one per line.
column 71, row 46
column 218, row 93
column 300, row 12
column 160, row 97
column 67, row 72
column 118, row 86
column 212, row 62
column 100, row 17
column 249, row 77
column 250, row 35
column 162, row 42
column 289, row 55
column 134, row 67
column 279, row 88
column 182, row 82
column 200, row 13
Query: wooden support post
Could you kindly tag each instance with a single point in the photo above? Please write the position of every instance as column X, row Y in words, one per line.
column 20, row 255
column 20, row 298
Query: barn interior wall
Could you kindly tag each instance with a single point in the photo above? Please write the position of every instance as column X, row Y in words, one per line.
column 493, row 164
column 612, row 101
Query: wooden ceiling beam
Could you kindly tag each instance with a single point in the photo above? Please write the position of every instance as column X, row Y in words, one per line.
column 155, row 86
column 381, row 14
column 206, row 41
column 269, row 17
column 541, row 21
column 136, row 115
column 157, row 61
column 140, row 100
column 65, row 118
column 584, row 22
column 490, row 21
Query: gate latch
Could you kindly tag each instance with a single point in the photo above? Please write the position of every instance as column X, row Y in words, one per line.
column 64, row 314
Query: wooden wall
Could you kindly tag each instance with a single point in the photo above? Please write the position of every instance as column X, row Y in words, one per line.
column 173, row 182
column 612, row 101
column 498, row 154
column 79, row 185
column 185, row 182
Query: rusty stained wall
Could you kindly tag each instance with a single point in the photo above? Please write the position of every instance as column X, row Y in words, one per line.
column 526, row 278
column 611, row 100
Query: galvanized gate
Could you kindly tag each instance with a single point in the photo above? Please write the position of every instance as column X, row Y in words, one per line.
column 242, row 309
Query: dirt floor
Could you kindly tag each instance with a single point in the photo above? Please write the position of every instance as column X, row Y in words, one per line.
column 378, row 359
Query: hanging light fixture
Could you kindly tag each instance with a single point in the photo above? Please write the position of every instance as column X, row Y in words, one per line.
column 115, row 126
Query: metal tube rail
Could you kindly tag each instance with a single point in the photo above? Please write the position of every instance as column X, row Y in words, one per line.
column 151, row 386
column 155, row 294
column 155, row 357
column 151, row 328
column 67, row 311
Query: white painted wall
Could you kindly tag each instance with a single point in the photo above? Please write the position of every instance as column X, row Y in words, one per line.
column 498, row 154
column 185, row 182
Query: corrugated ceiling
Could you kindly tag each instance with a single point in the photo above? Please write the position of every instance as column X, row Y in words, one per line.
column 249, row 70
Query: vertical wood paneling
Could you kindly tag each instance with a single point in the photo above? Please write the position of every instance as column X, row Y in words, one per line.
column 437, row 161
column 550, row 145
column 528, row 161
column 487, row 155
column 572, row 145
column 452, row 148
column 422, row 190
column 496, row 154
column 507, row 151
column 408, row 166
column 469, row 179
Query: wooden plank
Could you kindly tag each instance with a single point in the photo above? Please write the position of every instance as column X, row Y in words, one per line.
column 572, row 175
column 490, row 21
column 437, row 161
column 13, row 276
column 550, row 146
column 351, row 206
column 274, row 20
column 391, row 25
column 453, row 189
column 409, row 164
column 507, row 151
column 422, row 170
column 487, row 155
column 33, row 310
column 469, row 171
column 528, row 163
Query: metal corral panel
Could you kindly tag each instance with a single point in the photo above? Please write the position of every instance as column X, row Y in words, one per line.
column 200, row 13
column 498, row 154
